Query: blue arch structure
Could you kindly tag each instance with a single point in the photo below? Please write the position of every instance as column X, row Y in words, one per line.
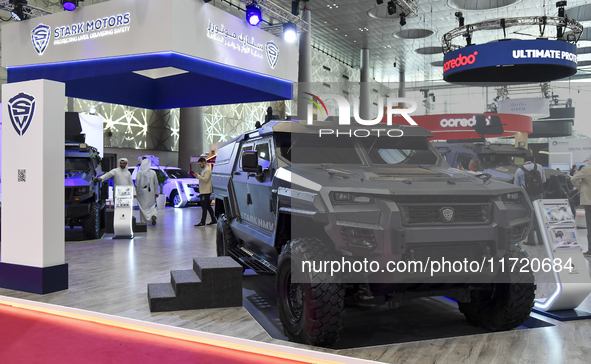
column 113, row 80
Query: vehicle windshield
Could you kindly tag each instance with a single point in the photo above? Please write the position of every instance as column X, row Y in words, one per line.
column 312, row 149
column 176, row 173
column 406, row 150
column 77, row 164
column 500, row 160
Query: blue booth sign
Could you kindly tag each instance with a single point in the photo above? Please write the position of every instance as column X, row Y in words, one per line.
column 505, row 61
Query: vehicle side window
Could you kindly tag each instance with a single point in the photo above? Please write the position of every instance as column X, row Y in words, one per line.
column 464, row 161
column 245, row 147
column 158, row 172
column 263, row 154
column 263, row 149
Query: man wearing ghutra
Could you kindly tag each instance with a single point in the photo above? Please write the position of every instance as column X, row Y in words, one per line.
column 146, row 184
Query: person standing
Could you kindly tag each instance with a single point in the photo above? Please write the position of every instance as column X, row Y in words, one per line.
column 531, row 178
column 582, row 181
column 472, row 166
column 121, row 176
column 573, row 170
column 146, row 185
column 205, row 191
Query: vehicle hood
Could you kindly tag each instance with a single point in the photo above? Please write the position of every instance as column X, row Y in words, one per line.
column 430, row 180
column 504, row 173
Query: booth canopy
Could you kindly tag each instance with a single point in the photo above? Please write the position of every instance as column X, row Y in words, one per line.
column 152, row 54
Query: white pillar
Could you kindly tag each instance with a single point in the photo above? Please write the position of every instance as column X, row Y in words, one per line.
column 304, row 66
column 33, row 248
column 364, row 94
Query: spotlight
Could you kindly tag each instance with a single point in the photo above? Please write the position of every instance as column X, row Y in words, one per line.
column 391, row 8
column 295, row 8
column 70, row 5
column 253, row 14
column 560, row 5
column 402, row 19
column 17, row 11
column 289, row 32
column 460, row 18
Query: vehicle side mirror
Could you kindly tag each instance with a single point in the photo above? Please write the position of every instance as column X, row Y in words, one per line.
column 250, row 161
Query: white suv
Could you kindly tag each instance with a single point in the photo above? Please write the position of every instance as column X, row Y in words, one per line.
column 178, row 180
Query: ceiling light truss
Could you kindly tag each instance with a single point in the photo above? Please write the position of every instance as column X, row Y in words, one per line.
column 28, row 10
column 542, row 21
column 408, row 7
column 276, row 12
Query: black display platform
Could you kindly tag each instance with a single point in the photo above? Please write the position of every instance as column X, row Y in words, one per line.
column 34, row 279
column 372, row 324
column 565, row 315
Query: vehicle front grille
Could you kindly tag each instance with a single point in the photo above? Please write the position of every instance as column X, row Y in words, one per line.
column 450, row 251
column 69, row 194
column 436, row 213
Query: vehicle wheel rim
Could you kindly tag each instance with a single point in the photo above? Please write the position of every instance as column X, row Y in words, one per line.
column 177, row 200
column 295, row 299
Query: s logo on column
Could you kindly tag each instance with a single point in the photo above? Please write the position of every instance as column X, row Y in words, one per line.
column 40, row 37
column 272, row 53
column 21, row 109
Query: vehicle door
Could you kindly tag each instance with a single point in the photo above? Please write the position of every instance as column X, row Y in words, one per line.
column 240, row 185
column 259, row 187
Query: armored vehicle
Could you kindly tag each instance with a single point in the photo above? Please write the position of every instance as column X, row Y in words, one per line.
column 502, row 161
column 85, row 198
column 288, row 194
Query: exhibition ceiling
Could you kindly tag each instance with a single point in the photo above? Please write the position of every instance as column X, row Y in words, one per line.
column 341, row 28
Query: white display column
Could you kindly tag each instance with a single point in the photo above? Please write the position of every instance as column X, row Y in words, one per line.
column 33, row 250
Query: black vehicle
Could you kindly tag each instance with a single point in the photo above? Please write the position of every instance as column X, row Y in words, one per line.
column 284, row 195
column 502, row 162
column 85, row 199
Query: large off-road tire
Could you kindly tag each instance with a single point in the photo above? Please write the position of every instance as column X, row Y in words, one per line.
column 91, row 224
column 224, row 239
column 503, row 306
column 311, row 313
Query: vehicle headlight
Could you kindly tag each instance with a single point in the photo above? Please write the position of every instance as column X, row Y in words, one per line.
column 347, row 197
column 193, row 185
column 511, row 197
column 81, row 191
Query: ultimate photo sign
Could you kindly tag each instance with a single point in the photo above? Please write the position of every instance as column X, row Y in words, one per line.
column 511, row 61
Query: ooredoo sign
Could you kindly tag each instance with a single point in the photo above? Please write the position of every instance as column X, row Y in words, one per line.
column 460, row 126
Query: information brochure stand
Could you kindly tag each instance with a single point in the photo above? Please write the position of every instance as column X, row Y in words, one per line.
column 573, row 283
column 123, row 212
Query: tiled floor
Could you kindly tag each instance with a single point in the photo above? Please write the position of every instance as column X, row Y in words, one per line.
column 111, row 276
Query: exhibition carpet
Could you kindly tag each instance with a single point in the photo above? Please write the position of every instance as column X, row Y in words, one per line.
column 28, row 336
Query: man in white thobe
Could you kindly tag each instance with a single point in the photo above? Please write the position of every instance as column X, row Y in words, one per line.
column 146, row 184
column 120, row 176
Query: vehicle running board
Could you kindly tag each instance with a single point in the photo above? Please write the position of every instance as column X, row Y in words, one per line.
column 252, row 261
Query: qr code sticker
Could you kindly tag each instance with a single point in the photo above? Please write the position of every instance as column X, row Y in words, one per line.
column 22, row 175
